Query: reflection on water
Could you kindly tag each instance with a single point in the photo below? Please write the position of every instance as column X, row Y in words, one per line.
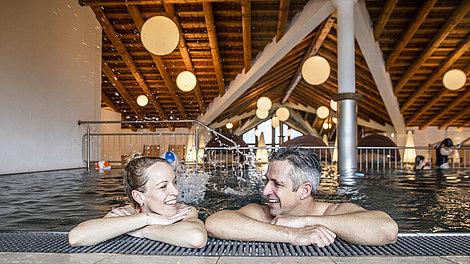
column 430, row 201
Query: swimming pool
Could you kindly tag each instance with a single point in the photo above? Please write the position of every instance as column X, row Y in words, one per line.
column 431, row 201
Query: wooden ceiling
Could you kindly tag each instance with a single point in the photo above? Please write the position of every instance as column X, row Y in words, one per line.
column 420, row 41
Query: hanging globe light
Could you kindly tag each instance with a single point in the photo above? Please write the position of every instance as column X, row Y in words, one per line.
column 261, row 114
column 325, row 125
column 316, row 70
column 186, row 81
column 454, row 79
column 275, row 121
column 333, row 105
column 142, row 100
column 229, row 125
column 323, row 112
column 160, row 35
column 264, row 103
column 335, row 120
column 282, row 113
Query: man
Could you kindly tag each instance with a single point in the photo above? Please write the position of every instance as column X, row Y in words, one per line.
column 292, row 215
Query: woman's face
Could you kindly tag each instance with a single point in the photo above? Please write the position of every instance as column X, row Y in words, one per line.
column 161, row 193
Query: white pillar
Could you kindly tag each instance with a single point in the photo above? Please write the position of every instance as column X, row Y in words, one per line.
column 347, row 108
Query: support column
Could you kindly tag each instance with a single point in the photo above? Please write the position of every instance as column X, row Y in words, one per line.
column 347, row 107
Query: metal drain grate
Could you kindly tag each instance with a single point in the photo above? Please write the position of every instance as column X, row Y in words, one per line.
column 413, row 245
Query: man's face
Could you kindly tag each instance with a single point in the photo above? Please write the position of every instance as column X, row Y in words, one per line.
column 278, row 189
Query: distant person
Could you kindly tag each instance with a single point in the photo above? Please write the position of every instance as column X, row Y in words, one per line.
column 293, row 215
column 154, row 214
column 443, row 150
column 420, row 163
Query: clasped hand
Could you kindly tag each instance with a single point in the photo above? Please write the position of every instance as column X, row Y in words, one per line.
column 303, row 234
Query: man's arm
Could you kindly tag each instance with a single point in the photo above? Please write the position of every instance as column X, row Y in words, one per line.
column 252, row 223
column 351, row 223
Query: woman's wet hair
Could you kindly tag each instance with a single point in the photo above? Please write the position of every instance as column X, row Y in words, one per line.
column 418, row 161
column 446, row 143
column 306, row 166
column 136, row 175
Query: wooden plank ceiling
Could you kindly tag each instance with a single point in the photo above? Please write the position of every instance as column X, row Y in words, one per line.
column 420, row 41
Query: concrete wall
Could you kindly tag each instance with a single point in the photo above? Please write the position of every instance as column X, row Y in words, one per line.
column 50, row 77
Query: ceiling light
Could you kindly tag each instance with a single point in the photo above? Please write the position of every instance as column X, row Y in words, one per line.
column 325, row 125
column 316, row 70
column 186, row 81
column 282, row 113
column 142, row 100
column 333, row 105
column 454, row 79
column 261, row 114
column 264, row 103
column 323, row 112
column 160, row 35
column 229, row 125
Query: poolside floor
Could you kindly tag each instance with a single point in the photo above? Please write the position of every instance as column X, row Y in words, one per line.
column 104, row 258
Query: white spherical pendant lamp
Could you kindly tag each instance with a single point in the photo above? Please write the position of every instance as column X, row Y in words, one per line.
column 186, row 81
column 454, row 79
column 316, row 70
column 323, row 112
column 160, row 35
column 282, row 113
column 229, row 125
column 333, row 105
column 142, row 100
column 275, row 121
column 261, row 114
column 264, row 103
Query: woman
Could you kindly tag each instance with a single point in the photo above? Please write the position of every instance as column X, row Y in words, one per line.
column 443, row 150
column 154, row 214
column 420, row 163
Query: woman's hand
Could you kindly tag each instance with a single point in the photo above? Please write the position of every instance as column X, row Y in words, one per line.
column 155, row 219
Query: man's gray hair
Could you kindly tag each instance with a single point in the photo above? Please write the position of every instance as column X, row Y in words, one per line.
column 305, row 166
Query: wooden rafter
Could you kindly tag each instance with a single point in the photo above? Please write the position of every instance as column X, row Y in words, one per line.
column 433, row 101
column 126, row 57
column 151, row 2
column 317, row 41
column 170, row 85
column 282, row 19
column 246, row 27
column 211, row 32
column 462, row 113
column 436, row 41
column 385, row 13
column 122, row 90
column 409, row 32
column 108, row 102
column 183, row 48
column 438, row 73
column 460, row 98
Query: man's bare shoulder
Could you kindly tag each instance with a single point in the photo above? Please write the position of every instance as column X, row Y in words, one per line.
column 341, row 208
column 256, row 211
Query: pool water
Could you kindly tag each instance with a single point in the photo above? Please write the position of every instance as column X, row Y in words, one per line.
column 430, row 201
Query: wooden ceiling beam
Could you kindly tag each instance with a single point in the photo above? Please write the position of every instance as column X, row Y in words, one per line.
column 151, row 2
column 126, row 57
column 436, row 98
column 436, row 41
column 183, row 48
column 282, row 19
column 317, row 41
column 294, row 115
column 385, row 13
column 211, row 32
column 122, row 90
column 461, row 97
column 438, row 73
column 169, row 84
column 462, row 113
column 409, row 33
column 246, row 27
column 108, row 102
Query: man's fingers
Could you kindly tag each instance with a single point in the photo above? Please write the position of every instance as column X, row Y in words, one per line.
column 326, row 236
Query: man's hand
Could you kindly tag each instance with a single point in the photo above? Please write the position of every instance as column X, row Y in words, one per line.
column 290, row 221
column 317, row 235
